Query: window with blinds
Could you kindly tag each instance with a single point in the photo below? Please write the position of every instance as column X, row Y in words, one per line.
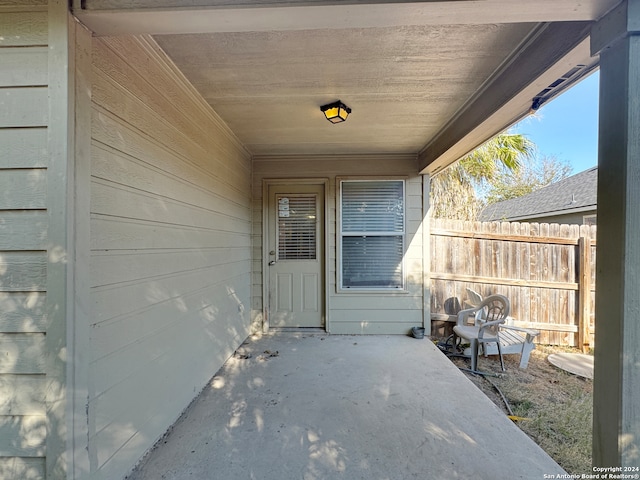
column 297, row 227
column 372, row 234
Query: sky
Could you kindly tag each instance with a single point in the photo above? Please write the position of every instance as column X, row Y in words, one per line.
column 567, row 126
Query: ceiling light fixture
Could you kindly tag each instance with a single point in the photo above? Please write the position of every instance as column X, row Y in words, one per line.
column 336, row 112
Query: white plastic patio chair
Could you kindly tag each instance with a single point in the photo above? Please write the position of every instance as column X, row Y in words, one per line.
column 473, row 298
column 487, row 318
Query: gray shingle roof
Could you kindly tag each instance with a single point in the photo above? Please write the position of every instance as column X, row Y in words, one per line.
column 580, row 191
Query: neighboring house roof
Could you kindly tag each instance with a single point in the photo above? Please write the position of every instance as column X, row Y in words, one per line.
column 571, row 195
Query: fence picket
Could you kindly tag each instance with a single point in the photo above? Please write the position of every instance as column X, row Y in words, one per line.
column 547, row 270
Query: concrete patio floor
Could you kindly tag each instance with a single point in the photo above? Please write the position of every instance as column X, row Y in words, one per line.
column 311, row 406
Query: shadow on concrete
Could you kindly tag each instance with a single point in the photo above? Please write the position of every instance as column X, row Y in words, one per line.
column 309, row 406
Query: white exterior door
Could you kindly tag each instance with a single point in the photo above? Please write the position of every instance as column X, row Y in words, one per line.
column 296, row 255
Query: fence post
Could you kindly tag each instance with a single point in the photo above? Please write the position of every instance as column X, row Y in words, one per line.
column 584, row 292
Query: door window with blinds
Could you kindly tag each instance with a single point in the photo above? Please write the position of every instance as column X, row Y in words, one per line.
column 297, row 232
column 372, row 229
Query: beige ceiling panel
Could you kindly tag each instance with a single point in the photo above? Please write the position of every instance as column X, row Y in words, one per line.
column 420, row 76
column 402, row 83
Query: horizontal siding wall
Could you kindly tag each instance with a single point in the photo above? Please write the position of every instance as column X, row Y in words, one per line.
column 351, row 313
column 170, row 249
column 23, row 237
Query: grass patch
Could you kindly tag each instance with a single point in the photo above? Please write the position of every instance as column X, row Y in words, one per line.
column 557, row 405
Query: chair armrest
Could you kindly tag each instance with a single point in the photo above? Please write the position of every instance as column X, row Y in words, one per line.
column 531, row 333
column 464, row 314
column 486, row 325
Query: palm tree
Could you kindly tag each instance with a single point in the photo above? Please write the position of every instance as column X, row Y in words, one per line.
column 456, row 192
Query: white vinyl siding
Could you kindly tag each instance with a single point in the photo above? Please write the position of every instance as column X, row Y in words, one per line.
column 170, row 249
column 371, row 248
column 24, row 238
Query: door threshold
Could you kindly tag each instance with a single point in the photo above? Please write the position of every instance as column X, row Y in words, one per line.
column 317, row 330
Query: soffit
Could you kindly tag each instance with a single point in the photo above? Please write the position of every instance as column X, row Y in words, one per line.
column 430, row 78
column 402, row 83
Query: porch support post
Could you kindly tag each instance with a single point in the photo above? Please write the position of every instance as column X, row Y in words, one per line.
column 616, row 421
column 426, row 253
column 60, row 242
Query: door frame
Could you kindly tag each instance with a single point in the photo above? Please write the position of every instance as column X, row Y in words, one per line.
column 266, row 184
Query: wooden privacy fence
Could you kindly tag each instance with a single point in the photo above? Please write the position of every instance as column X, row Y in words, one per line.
column 546, row 270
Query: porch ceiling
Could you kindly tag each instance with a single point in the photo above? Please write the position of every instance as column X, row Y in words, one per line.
column 431, row 78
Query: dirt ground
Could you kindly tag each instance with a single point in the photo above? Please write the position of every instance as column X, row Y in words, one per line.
column 552, row 406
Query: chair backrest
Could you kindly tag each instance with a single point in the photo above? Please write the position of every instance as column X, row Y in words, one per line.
column 452, row 306
column 494, row 308
column 473, row 298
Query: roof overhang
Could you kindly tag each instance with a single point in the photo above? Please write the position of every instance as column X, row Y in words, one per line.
column 430, row 78
column 571, row 211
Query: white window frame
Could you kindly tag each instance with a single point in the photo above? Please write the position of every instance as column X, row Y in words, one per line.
column 363, row 289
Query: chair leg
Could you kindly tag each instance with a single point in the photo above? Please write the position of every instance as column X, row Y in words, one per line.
column 454, row 341
column 474, row 355
column 526, row 353
column 501, row 359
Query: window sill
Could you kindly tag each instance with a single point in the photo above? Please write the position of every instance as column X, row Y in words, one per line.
column 373, row 291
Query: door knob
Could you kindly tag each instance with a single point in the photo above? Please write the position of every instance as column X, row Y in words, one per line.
column 272, row 262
